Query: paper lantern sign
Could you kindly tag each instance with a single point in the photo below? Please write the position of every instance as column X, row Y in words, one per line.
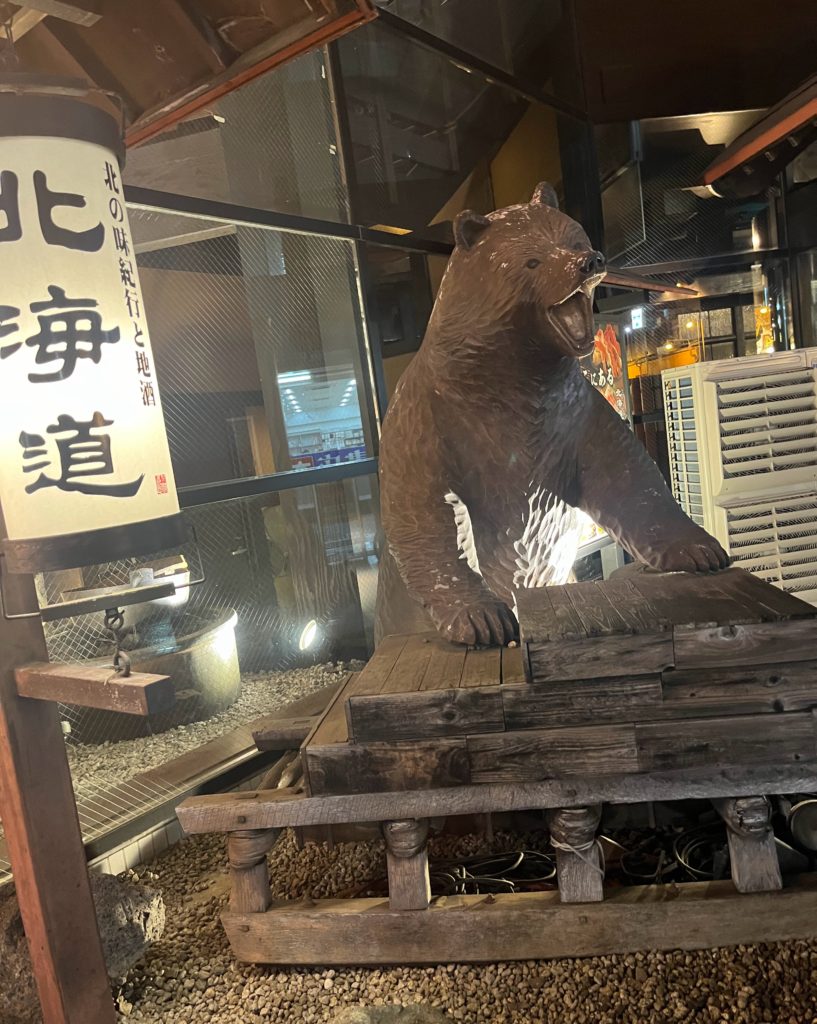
column 82, row 436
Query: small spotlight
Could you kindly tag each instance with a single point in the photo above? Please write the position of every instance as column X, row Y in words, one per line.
column 669, row 346
column 308, row 635
column 220, row 118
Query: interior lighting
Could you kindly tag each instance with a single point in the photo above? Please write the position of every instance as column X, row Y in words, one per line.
column 669, row 346
column 308, row 635
column 294, row 377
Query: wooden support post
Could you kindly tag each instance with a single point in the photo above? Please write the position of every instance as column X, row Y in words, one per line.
column 43, row 837
column 579, row 867
column 249, row 875
column 407, row 863
column 752, row 849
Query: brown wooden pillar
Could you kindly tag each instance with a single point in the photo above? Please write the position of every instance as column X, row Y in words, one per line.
column 39, row 816
column 407, row 864
column 579, row 866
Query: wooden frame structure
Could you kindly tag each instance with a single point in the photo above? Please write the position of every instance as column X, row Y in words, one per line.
column 648, row 688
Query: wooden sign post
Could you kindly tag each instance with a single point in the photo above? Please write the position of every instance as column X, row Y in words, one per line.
column 39, row 815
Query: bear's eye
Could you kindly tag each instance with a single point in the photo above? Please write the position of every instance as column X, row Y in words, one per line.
column 532, row 264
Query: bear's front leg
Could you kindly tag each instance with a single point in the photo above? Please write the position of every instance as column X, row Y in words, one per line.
column 422, row 534
column 622, row 489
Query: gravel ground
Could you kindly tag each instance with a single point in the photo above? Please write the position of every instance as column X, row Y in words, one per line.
column 190, row 975
column 107, row 764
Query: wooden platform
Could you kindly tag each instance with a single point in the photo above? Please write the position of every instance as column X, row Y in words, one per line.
column 646, row 688
column 648, row 674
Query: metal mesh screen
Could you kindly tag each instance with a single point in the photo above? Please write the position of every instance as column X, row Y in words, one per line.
column 234, row 312
column 270, row 144
column 654, row 210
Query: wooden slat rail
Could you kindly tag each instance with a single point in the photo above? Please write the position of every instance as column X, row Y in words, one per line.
column 227, row 812
column 526, row 926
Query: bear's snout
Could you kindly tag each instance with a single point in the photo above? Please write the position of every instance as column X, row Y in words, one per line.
column 593, row 263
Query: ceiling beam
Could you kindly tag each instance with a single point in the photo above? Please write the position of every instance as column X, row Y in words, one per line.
column 84, row 13
column 24, row 21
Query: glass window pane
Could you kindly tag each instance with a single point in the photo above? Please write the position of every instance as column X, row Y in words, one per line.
column 655, row 210
column 256, row 336
column 429, row 138
column 270, row 144
column 532, row 39
column 286, row 560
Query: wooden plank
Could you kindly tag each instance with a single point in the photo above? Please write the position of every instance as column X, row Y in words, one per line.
column 552, row 753
column 542, row 706
column 513, row 670
column 754, row 689
column 96, row 686
column 524, row 926
column 758, row 643
column 430, row 713
column 545, row 615
column 410, row 667
column 670, row 600
column 381, row 664
column 279, row 731
column 226, row 812
column 445, row 667
column 596, row 612
column 379, row 767
column 636, row 608
column 332, row 727
column 742, row 739
column 732, row 596
column 569, row 623
column 282, row 733
column 483, row 667
column 626, row 655
column 43, row 836
column 774, row 602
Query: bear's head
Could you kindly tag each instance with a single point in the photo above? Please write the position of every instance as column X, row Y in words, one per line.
column 529, row 270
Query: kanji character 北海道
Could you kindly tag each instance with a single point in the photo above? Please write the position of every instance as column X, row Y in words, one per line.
column 89, row 240
column 73, row 332
column 81, row 454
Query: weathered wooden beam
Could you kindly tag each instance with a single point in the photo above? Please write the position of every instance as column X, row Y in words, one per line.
column 283, row 733
column 225, row 812
column 95, row 686
column 24, row 21
column 579, row 864
column 86, row 13
column 407, row 863
column 528, row 926
column 249, row 875
column 43, row 837
column 752, row 848
column 426, row 713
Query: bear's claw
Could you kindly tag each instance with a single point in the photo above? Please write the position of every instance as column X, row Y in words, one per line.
column 483, row 623
column 701, row 554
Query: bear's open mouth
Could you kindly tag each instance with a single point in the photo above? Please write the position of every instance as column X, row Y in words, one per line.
column 573, row 319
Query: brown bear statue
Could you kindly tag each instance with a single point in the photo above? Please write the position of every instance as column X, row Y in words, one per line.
column 494, row 437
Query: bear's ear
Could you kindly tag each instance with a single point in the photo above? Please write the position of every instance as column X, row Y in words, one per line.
column 468, row 226
column 545, row 195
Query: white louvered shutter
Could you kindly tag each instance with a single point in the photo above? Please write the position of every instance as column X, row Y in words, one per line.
column 742, row 438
